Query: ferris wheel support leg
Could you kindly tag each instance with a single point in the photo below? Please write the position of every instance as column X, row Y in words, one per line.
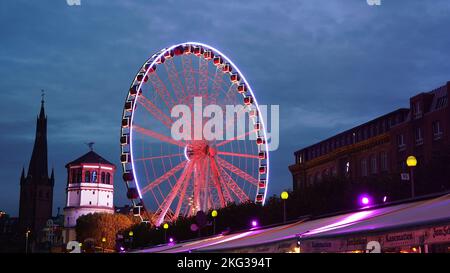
column 215, row 175
column 181, row 196
column 161, row 212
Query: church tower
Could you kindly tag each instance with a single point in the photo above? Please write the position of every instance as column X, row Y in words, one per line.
column 90, row 189
column 36, row 187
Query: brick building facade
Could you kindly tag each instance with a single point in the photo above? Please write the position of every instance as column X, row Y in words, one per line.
column 380, row 145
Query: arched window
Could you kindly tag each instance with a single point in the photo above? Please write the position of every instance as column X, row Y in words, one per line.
column 108, row 178
column 103, row 177
column 94, row 176
column 87, row 176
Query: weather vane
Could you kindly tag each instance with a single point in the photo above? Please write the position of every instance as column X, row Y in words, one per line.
column 90, row 145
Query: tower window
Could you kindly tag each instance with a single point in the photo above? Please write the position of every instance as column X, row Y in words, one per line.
column 103, row 177
column 94, row 176
column 87, row 176
column 79, row 176
column 74, row 176
column 108, row 178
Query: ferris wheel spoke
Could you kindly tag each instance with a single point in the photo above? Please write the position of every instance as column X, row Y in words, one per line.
column 174, row 79
column 242, row 136
column 155, row 198
column 157, row 157
column 158, row 136
column 234, row 187
column 216, row 85
column 203, row 77
column 165, row 206
column 161, row 90
column 238, row 154
column 181, row 196
column 232, row 90
column 164, row 177
column 242, row 174
column 215, row 175
column 155, row 111
column 188, row 73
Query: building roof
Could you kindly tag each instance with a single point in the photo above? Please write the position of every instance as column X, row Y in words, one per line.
column 90, row 157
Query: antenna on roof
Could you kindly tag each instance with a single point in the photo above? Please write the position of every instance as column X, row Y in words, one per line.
column 90, row 145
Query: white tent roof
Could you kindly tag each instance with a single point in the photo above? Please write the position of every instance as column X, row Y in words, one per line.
column 366, row 220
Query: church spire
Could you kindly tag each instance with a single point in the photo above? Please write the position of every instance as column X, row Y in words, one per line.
column 38, row 168
column 42, row 113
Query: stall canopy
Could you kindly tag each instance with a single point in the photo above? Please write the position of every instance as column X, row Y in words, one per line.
column 404, row 215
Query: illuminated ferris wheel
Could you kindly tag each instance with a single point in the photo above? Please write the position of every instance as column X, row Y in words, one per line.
column 172, row 176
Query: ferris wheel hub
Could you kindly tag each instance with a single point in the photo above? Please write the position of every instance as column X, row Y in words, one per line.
column 199, row 149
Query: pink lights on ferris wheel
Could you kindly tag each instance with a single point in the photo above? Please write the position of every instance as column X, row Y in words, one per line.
column 173, row 174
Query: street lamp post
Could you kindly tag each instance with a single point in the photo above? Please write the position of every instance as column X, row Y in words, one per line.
column 26, row 240
column 284, row 197
column 214, row 215
column 131, row 238
column 411, row 161
column 103, row 243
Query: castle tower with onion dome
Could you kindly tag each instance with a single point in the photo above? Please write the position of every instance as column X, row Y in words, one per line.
column 90, row 189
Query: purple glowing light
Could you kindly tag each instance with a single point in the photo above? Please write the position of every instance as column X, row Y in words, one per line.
column 171, row 240
column 384, row 199
column 122, row 248
column 254, row 223
column 364, row 200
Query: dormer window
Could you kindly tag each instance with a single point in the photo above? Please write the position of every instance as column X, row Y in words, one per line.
column 417, row 109
column 419, row 138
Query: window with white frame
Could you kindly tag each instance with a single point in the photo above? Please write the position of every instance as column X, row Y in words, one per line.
column 384, row 161
column 437, row 131
column 364, row 167
column 373, row 164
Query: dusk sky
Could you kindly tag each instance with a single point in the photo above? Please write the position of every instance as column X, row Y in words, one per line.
column 329, row 64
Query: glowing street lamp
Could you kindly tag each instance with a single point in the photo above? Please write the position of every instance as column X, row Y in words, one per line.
column 165, row 227
column 365, row 200
column 284, row 197
column 103, row 243
column 131, row 234
column 254, row 223
column 411, row 162
column 214, row 215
